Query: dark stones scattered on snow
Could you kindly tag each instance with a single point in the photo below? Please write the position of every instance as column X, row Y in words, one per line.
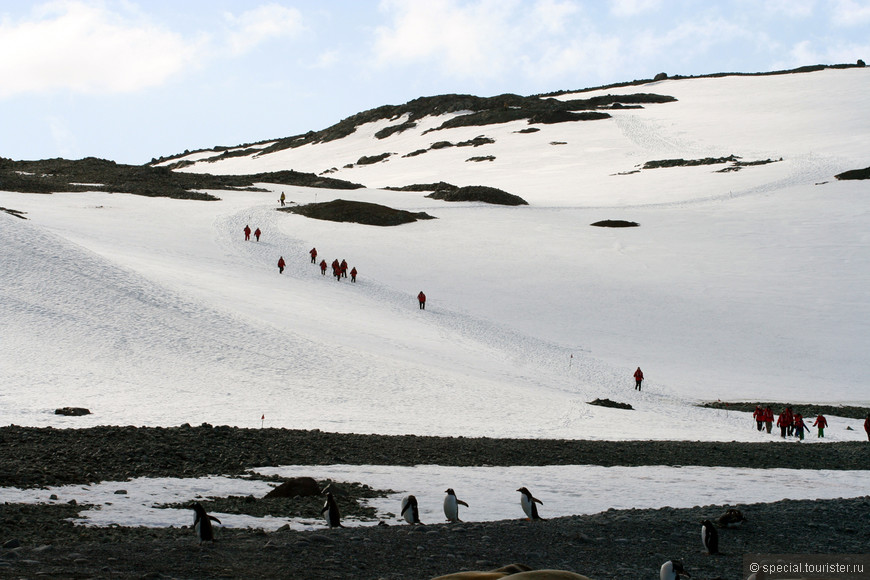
column 476, row 142
column 476, row 111
column 481, row 158
column 372, row 159
column 35, row 457
column 610, row 404
column 72, row 411
column 51, row 175
column 734, row 160
column 360, row 212
column 855, row 174
column 478, row 193
column 41, row 540
column 615, row 224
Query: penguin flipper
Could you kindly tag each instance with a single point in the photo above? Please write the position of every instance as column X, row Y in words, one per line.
column 460, row 502
column 214, row 519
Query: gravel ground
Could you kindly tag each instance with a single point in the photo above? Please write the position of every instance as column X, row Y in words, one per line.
column 36, row 540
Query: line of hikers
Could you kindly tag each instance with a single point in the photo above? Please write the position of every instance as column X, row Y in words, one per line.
column 339, row 269
column 789, row 423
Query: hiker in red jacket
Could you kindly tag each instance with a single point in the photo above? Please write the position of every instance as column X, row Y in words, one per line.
column 281, row 265
column 768, row 418
column 867, row 426
column 821, row 423
column 800, row 426
column 421, row 298
column 783, row 421
column 353, row 274
column 247, row 233
column 789, row 414
column 638, row 378
column 323, row 267
column 313, row 253
column 758, row 415
column 343, row 267
column 257, row 234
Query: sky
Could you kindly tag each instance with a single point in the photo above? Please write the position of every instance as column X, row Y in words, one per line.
column 131, row 81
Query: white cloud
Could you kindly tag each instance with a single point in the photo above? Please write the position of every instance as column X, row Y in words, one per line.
column 627, row 8
column 485, row 39
column 782, row 8
column 464, row 39
column 806, row 53
column 851, row 13
column 88, row 48
column 264, row 23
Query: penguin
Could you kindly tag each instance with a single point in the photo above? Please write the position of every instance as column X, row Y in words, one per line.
column 528, row 502
column 202, row 523
column 710, row 537
column 451, row 506
column 333, row 516
column 410, row 511
column 673, row 569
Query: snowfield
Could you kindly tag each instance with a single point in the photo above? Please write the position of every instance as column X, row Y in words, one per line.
column 748, row 284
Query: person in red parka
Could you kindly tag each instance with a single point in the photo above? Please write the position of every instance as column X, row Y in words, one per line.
column 421, row 298
column 800, row 426
column 783, row 421
column 247, row 233
column 867, row 426
column 353, row 274
column 758, row 415
column 313, row 253
column 343, row 267
column 821, row 423
column 257, row 234
column 638, row 378
column 281, row 265
column 768, row 418
column 323, row 267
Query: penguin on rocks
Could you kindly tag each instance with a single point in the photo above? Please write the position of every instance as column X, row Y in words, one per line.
column 333, row 516
column 710, row 537
column 202, row 523
column 528, row 501
column 410, row 511
column 673, row 569
column 451, row 506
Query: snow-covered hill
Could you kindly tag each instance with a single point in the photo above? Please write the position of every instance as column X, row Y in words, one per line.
column 744, row 284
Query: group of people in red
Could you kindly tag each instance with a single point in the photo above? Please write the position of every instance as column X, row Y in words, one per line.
column 789, row 423
column 248, row 233
column 339, row 269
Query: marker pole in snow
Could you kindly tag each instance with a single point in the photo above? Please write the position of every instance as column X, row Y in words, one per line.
column 570, row 361
column 262, row 420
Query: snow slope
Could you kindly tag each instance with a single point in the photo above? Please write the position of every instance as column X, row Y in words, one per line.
column 740, row 285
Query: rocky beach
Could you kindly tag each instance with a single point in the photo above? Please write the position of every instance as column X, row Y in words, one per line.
column 39, row 541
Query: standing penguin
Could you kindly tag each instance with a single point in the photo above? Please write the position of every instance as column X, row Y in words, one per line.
column 672, row 569
column 202, row 523
column 528, row 502
column 710, row 537
column 333, row 516
column 451, row 506
column 410, row 511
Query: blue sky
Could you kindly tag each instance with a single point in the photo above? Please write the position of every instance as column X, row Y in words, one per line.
column 130, row 80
